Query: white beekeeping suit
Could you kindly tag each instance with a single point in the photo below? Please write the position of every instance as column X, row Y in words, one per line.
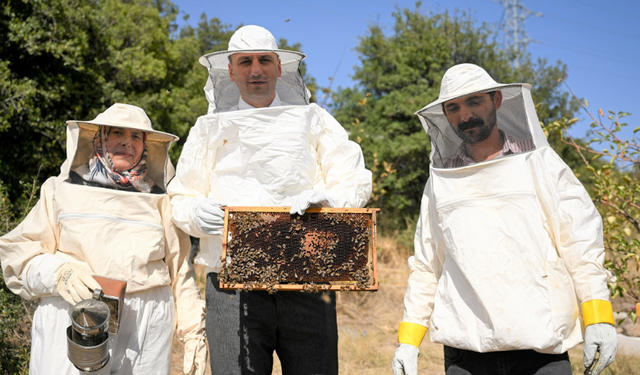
column 508, row 251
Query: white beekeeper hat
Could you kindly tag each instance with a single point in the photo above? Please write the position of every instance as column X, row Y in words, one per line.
column 80, row 135
column 127, row 116
column 516, row 116
column 462, row 80
column 249, row 39
column 223, row 94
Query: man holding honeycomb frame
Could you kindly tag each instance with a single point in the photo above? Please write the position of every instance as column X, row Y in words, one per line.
column 263, row 144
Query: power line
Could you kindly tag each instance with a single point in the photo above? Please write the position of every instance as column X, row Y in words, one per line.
column 595, row 27
column 608, row 9
column 588, row 51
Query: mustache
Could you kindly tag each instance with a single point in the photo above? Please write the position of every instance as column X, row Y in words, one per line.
column 472, row 123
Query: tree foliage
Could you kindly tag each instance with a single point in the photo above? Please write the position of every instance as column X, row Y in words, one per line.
column 15, row 313
column 69, row 59
column 399, row 74
column 613, row 165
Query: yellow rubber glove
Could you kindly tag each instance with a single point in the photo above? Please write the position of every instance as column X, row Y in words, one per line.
column 195, row 355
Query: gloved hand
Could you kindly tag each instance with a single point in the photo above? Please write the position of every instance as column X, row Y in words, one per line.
column 75, row 283
column 601, row 338
column 195, row 355
column 405, row 360
column 310, row 198
column 209, row 217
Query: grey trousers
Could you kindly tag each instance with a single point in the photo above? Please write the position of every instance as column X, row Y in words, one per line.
column 245, row 328
column 514, row 362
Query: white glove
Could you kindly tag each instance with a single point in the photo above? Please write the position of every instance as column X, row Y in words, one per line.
column 405, row 360
column 310, row 198
column 75, row 283
column 209, row 217
column 601, row 338
column 195, row 355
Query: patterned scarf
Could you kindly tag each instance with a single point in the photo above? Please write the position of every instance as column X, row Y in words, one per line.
column 102, row 170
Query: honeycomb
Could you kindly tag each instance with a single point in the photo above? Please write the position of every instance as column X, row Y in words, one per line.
column 324, row 249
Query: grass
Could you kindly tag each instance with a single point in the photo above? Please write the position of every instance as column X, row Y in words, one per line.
column 368, row 321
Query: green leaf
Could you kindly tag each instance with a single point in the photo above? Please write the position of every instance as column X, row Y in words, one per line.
column 572, row 121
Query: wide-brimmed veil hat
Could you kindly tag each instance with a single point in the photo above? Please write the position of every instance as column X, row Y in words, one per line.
column 80, row 135
column 223, row 94
column 462, row 80
column 127, row 116
column 516, row 116
column 250, row 39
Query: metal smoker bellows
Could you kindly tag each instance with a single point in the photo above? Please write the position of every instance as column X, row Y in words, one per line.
column 266, row 248
column 87, row 336
column 91, row 322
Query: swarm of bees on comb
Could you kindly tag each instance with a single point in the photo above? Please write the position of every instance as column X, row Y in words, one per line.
column 324, row 249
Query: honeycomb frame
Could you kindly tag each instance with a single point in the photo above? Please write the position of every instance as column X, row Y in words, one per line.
column 266, row 248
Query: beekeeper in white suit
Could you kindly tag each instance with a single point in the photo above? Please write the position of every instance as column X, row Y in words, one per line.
column 108, row 214
column 508, row 265
column 263, row 144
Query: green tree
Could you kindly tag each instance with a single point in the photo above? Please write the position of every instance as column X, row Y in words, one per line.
column 177, row 107
column 613, row 164
column 70, row 59
column 15, row 313
column 400, row 73
column 45, row 46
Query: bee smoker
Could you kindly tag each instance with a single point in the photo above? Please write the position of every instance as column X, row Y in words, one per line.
column 87, row 336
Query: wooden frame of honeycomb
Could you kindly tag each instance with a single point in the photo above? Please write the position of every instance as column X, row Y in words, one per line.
column 266, row 248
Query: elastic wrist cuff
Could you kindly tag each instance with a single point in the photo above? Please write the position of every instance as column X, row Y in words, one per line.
column 411, row 333
column 597, row 311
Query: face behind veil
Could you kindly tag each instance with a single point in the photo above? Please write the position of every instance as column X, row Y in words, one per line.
column 95, row 152
column 101, row 164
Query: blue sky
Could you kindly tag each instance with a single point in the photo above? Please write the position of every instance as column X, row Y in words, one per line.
column 598, row 41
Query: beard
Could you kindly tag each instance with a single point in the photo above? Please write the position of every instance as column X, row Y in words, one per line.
column 476, row 129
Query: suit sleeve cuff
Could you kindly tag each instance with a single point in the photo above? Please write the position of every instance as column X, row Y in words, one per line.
column 597, row 311
column 411, row 333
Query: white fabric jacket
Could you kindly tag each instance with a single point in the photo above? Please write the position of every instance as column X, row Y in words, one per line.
column 540, row 257
column 117, row 234
column 264, row 157
column 506, row 251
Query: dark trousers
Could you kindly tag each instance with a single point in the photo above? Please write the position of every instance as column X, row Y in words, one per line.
column 244, row 329
column 513, row 362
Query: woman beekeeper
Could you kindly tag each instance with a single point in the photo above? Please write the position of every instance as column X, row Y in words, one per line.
column 107, row 214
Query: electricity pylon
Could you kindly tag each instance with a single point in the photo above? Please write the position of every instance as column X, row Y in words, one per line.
column 512, row 25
